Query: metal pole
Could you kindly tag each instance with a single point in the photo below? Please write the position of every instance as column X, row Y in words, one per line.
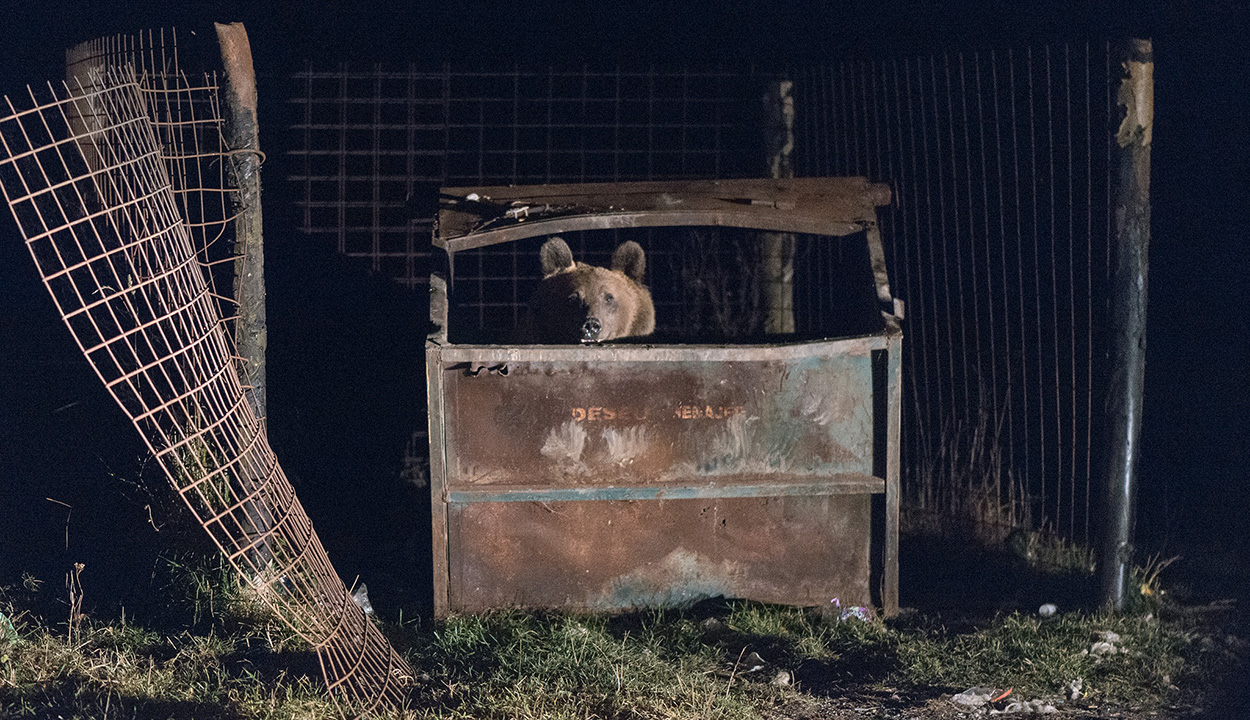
column 1127, row 321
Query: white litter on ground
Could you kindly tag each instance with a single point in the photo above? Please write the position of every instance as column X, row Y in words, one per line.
column 981, row 697
column 1029, row 707
column 975, row 697
column 1108, row 645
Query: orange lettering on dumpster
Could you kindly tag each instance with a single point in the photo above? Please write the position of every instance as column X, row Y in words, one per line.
column 707, row 412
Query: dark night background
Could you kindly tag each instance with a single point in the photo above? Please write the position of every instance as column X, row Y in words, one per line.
column 61, row 436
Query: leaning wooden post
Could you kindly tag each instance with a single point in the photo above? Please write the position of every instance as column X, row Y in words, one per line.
column 251, row 335
column 1127, row 322
column 777, row 250
column 250, row 332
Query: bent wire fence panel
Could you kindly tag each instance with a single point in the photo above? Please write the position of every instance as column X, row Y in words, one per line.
column 83, row 174
column 186, row 116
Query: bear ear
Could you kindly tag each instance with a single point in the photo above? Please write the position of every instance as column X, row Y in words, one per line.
column 556, row 256
column 630, row 259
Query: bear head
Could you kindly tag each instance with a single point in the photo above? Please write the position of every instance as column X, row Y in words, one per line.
column 576, row 302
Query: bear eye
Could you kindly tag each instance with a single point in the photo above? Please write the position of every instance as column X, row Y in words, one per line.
column 608, row 298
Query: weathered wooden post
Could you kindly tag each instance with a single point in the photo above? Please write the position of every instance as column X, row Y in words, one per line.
column 242, row 137
column 1127, row 321
column 83, row 76
column 250, row 332
column 777, row 249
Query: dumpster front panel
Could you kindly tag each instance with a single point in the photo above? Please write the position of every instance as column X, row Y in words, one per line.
column 603, row 422
column 611, row 555
column 603, row 481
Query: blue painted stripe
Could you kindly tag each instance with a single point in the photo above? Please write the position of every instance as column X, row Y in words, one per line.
column 850, row 484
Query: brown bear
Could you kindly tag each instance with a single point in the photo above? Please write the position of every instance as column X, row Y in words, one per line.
column 576, row 302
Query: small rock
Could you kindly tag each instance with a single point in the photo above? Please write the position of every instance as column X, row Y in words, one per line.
column 713, row 628
column 751, row 663
column 782, row 678
column 360, row 596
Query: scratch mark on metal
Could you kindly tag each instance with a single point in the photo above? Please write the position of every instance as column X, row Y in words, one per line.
column 565, row 444
column 625, row 444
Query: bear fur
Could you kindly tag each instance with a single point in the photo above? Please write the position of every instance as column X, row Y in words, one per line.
column 576, row 302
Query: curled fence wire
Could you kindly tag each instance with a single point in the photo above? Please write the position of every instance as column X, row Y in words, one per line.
column 187, row 120
column 84, row 175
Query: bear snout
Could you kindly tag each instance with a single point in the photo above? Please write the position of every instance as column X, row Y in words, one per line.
column 591, row 329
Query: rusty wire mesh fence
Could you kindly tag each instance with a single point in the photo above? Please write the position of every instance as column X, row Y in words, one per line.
column 186, row 118
column 83, row 170
column 997, row 239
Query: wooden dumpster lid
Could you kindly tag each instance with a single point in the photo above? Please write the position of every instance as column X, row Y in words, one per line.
column 472, row 217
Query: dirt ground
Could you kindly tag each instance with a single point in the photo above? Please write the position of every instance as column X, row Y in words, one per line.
column 897, row 707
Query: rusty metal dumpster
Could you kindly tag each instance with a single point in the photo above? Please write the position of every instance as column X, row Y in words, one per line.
column 622, row 475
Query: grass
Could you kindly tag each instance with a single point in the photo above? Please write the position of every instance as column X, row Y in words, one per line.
column 118, row 670
column 229, row 660
column 226, row 661
column 511, row 664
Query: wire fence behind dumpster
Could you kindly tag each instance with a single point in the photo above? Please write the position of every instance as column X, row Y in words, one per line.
column 372, row 139
column 997, row 240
